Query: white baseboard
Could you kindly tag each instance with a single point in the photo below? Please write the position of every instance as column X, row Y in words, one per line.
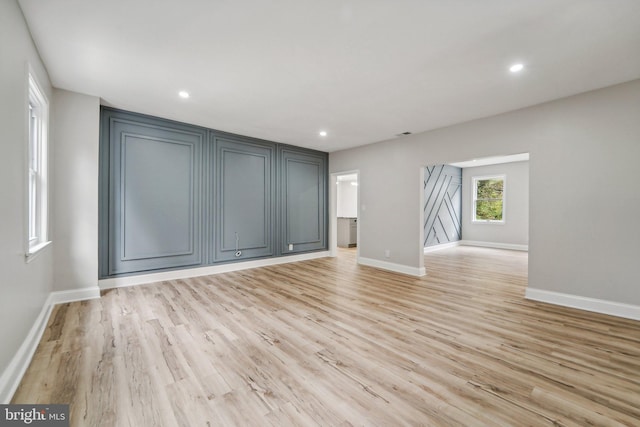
column 612, row 308
column 10, row 379
column 398, row 268
column 119, row 282
column 61, row 297
column 441, row 246
column 12, row 375
column 508, row 246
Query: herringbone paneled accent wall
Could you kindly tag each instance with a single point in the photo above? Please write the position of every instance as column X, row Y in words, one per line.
column 443, row 204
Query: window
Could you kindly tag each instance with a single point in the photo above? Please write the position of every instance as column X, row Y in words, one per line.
column 38, row 113
column 488, row 199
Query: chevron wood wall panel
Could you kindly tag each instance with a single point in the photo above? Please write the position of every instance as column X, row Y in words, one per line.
column 443, row 204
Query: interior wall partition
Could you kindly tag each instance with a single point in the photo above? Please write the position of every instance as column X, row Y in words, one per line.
column 174, row 195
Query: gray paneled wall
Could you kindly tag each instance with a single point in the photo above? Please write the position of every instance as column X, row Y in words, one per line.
column 149, row 230
column 304, row 189
column 174, row 195
column 244, row 183
column 443, row 204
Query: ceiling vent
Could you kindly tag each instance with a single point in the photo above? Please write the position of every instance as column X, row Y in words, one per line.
column 403, row 134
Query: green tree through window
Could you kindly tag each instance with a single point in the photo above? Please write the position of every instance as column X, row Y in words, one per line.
column 489, row 199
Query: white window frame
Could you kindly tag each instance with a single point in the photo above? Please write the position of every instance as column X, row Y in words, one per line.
column 37, row 191
column 474, row 197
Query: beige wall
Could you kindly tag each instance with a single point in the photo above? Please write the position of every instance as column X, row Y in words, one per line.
column 24, row 287
column 584, row 197
column 76, row 129
column 70, row 262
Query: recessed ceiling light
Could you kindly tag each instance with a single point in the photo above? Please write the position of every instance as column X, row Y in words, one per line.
column 183, row 94
column 323, row 133
column 516, row 68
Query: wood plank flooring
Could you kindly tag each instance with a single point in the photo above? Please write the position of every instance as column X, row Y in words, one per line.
column 327, row 342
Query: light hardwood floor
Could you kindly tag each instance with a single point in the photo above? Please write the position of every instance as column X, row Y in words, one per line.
column 327, row 342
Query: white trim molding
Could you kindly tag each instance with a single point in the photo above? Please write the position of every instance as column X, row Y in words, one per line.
column 612, row 308
column 119, row 282
column 441, row 246
column 509, row 246
column 397, row 268
column 12, row 375
column 62, row 297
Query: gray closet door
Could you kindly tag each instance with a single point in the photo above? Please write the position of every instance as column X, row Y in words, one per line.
column 303, row 213
column 244, row 182
column 155, row 198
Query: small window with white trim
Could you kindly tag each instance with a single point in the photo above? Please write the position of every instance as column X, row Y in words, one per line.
column 37, row 197
column 488, row 199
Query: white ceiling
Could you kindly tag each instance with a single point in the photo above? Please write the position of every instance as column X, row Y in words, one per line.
column 363, row 70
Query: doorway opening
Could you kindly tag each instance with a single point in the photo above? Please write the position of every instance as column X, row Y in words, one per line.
column 481, row 202
column 345, row 212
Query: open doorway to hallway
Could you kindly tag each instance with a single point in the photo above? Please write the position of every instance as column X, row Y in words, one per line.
column 344, row 227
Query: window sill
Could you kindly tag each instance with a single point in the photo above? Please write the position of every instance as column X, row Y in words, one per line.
column 35, row 250
column 488, row 222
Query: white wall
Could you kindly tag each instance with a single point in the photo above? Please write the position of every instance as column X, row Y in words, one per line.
column 75, row 190
column 584, row 234
column 515, row 229
column 24, row 287
column 347, row 199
